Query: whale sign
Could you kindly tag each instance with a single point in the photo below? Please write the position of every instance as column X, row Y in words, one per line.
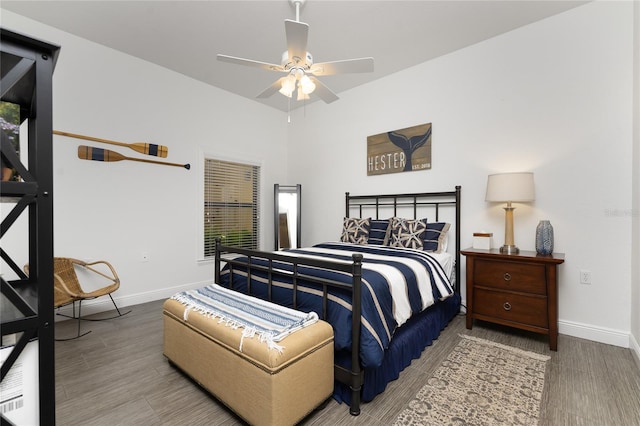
column 403, row 150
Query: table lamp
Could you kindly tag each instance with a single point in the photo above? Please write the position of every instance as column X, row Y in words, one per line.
column 510, row 187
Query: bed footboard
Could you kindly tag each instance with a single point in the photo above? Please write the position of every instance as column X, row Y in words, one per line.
column 258, row 261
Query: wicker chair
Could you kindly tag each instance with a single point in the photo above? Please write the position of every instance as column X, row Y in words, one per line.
column 68, row 290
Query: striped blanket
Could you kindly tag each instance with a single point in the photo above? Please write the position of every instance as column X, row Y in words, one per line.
column 396, row 284
column 270, row 322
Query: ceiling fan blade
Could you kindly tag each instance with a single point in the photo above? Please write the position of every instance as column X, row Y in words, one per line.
column 250, row 63
column 297, row 33
column 269, row 91
column 343, row 67
column 323, row 91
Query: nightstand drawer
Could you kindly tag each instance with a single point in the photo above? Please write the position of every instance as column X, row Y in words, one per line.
column 520, row 308
column 516, row 276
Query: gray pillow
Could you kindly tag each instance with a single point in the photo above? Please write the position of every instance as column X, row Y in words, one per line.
column 407, row 233
column 355, row 230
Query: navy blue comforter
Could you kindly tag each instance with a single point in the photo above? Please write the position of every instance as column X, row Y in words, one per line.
column 396, row 284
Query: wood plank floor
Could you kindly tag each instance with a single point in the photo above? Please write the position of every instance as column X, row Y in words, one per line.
column 117, row 375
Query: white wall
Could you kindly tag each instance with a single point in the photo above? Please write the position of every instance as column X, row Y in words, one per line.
column 119, row 210
column 635, row 253
column 554, row 98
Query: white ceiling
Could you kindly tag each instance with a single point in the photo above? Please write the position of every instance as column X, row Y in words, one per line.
column 186, row 36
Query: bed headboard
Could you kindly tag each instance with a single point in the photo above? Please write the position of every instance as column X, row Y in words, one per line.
column 436, row 206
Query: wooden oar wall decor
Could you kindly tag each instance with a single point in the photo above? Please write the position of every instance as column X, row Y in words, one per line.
column 99, row 154
column 142, row 147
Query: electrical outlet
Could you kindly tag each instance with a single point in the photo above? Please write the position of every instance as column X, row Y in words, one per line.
column 145, row 257
column 585, row 276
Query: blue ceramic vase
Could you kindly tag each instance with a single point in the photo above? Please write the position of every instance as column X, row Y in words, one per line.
column 544, row 237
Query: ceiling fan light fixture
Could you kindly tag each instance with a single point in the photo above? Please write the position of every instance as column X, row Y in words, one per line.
column 288, row 85
column 306, row 85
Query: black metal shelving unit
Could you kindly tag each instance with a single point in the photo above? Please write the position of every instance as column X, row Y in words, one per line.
column 27, row 302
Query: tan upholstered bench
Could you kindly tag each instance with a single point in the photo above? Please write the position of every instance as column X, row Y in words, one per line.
column 262, row 385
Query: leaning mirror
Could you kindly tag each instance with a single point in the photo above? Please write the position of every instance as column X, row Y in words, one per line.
column 287, row 216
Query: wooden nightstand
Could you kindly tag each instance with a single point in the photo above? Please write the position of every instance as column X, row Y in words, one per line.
column 517, row 290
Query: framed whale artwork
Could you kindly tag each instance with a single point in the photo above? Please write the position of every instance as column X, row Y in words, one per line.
column 402, row 150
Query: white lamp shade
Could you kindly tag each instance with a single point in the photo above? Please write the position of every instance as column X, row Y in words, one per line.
column 504, row 187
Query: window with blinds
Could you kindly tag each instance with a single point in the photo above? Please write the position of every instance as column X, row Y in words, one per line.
column 231, row 204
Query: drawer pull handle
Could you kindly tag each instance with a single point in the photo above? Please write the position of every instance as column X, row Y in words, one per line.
column 507, row 306
column 507, row 276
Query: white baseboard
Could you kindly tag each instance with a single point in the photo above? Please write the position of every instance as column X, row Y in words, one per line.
column 596, row 334
column 635, row 348
column 103, row 304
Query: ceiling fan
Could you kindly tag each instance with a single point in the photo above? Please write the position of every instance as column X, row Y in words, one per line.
column 298, row 64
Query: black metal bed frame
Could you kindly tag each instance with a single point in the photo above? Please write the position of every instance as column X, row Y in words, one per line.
column 393, row 204
column 353, row 377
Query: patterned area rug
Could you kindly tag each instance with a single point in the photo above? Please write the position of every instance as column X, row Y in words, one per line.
column 480, row 383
